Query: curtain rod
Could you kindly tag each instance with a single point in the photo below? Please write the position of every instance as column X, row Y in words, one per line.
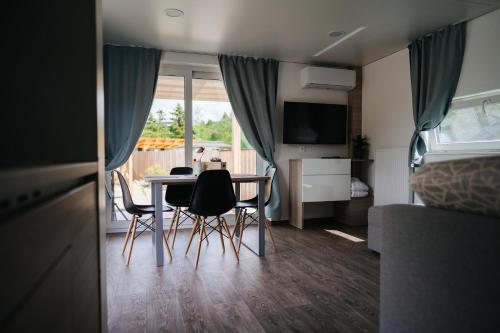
column 233, row 54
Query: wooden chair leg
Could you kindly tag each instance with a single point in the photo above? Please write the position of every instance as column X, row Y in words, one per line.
column 176, row 226
column 236, row 221
column 172, row 223
column 195, row 227
column 200, row 240
column 230, row 238
column 134, row 228
column 219, row 227
column 242, row 228
column 268, row 226
column 128, row 234
column 205, row 236
column 166, row 245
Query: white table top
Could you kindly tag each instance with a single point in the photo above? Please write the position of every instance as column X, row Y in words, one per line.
column 182, row 179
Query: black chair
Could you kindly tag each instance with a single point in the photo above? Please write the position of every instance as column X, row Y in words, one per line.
column 179, row 196
column 243, row 206
column 213, row 195
column 113, row 198
column 138, row 211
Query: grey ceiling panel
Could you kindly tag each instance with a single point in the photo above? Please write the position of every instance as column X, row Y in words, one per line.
column 290, row 30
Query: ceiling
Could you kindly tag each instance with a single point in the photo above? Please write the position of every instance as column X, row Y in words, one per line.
column 288, row 30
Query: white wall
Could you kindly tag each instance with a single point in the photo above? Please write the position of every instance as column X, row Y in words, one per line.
column 387, row 107
column 289, row 89
column 481, row 66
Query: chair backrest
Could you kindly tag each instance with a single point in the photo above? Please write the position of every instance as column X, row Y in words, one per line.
column 181, row 171
column 268, row 187
column 128, row 203
column 179, row 195
column 213, row 194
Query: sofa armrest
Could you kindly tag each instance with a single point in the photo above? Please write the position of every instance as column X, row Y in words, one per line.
column 439, row 271
column 375, row 228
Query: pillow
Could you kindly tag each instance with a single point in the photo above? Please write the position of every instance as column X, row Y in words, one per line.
column 468, row 185
column 358, row 185
column 359, row 194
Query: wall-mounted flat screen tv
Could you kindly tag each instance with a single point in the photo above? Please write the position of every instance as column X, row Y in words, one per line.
column 312, row 123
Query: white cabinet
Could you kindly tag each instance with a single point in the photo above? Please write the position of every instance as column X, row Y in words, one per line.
column 319, row 188
column 324, row 166
column 317, row 180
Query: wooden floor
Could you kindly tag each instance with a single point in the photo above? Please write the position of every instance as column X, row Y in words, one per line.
column 315, row 282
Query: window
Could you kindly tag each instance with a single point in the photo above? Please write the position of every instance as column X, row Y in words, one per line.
column 472, row 123
column 190, row 110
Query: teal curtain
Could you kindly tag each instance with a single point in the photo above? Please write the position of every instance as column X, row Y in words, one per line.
column 252, row 85
column 130, row 75
column 435, row 65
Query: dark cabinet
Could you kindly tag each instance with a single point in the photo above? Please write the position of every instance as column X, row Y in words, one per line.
column 51, row 167
column 50, row 266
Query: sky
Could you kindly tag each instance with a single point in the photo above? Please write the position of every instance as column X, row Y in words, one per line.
column 202, row 110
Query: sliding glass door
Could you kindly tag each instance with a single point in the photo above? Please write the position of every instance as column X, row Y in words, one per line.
column 216, row 129
column 190, row 110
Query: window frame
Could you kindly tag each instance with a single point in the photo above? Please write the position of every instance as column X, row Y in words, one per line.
column 431, row 137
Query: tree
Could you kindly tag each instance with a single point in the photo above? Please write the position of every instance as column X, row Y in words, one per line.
column 156, row 127
column 217, row 130
column 214, row 130
column 177, row 122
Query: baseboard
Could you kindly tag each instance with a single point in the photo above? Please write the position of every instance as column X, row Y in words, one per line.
column 281, row 222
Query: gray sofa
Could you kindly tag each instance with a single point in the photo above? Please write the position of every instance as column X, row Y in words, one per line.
column 375, row 228
column 440, row 270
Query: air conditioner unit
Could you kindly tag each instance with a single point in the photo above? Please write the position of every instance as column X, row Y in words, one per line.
column 328, row 78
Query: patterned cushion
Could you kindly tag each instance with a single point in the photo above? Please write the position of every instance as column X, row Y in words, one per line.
column 469, row 185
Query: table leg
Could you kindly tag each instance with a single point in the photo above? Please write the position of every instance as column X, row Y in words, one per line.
column 152, row 187
column 158, row 234
column 262, row 217
column 237, row 211
column 237, row 190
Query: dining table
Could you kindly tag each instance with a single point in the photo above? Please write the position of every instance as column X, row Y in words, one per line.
column 157, row 199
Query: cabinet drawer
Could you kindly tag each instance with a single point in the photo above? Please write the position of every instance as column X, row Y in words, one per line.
column 341, row 166
column 50, row 265
column 326, row 188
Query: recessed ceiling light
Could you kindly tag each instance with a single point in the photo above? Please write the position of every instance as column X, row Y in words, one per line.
column 336, row 34
column 173, row 12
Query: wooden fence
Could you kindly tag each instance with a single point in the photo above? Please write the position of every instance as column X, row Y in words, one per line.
column 154, row 162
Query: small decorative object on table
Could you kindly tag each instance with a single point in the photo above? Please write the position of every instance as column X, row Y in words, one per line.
column 360, row 147
column 214, row 164
column 197, row 164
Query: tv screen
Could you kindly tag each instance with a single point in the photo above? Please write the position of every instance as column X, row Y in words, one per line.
column 311, row 123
